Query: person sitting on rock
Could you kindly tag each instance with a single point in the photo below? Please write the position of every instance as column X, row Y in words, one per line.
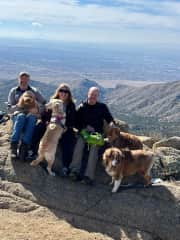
column 23, row 124
column 90, row 116
column 67, row 141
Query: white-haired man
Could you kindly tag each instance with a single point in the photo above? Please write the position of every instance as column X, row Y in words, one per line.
column 90, row 115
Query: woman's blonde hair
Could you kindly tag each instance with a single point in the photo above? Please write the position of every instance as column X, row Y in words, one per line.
column 66, row 87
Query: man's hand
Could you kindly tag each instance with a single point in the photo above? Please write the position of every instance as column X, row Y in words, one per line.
column 112, row 124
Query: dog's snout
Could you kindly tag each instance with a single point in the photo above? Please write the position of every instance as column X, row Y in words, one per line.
column 28, row 100
column 57, row 105
column 114, row 162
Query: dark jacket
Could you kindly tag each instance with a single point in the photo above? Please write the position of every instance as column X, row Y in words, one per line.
column 70, row 115
column 93, row 115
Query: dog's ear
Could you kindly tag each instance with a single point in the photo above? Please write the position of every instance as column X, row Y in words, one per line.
column 21, row 101
column 106, row 156
column 117, row 131
column 114, row 132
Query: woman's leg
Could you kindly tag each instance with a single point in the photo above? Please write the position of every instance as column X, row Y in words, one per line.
column 38, row 133
column 67, row 143
column 77, row 155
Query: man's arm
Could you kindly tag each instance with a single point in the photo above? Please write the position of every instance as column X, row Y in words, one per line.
column 107, row 115
column 12, row 107
column 11, row 97
column 39, row 97
column 79, row 117
column 71, row 115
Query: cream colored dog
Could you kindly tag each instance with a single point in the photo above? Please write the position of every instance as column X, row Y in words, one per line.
column 54, row 131
column 119, row 164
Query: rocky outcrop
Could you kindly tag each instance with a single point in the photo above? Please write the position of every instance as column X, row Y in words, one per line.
column 71, row 210
column 173, row 142
column 168, row 164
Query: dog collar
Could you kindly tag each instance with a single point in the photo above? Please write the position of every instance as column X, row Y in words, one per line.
column 57, row 120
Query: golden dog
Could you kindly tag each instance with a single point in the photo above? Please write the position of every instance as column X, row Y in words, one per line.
column 119, row 139
column 27, row 104
column 54, row 131
column 119, row 164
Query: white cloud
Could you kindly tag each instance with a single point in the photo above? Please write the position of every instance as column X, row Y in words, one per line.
column 36, row 24
column 131, row 17
column 69, row 12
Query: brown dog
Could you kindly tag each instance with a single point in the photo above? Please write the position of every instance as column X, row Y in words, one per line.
column 54, row 131
column 119, row 164
column 123, row 140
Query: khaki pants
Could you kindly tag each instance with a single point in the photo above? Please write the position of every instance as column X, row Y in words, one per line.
column 78, row 156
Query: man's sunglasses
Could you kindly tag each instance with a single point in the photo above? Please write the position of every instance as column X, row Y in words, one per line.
column 63, row 90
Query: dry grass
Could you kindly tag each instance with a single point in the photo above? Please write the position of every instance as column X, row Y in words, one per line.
column 27, row 226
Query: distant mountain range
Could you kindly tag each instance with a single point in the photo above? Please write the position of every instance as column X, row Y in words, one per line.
column 160, row 102
column 154, row 100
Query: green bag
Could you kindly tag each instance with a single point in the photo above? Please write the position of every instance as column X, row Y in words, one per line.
column 94, row 138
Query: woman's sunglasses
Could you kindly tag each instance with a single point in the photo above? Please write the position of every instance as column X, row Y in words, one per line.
column 63, row 91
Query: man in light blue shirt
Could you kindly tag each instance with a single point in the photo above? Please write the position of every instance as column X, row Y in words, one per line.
column 23, row 125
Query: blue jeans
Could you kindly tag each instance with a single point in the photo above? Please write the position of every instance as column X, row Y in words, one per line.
column 23, row 125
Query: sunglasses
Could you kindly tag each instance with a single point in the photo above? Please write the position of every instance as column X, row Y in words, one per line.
column 63, row 91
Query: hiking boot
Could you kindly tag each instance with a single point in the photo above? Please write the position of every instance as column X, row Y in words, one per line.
column 31, row 156
column 23, row 151
column 13, row 149
column 86, row 180
column 64, row 172
column 75, row 176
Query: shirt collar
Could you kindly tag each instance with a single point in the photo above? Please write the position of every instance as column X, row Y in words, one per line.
column 19, row 89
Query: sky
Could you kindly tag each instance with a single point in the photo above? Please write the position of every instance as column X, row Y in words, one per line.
column 99, row 21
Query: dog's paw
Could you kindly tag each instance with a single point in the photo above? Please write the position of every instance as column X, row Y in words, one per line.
column 51, row 173
column 111, row 183
column 114, row 190
column 33, row 163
